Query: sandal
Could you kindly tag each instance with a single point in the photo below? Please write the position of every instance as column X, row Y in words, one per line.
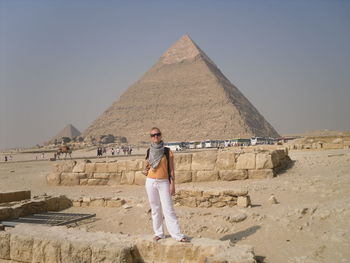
column 184, row 240
column 156, row 238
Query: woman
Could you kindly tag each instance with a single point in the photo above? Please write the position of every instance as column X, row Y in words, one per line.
column 160, row 186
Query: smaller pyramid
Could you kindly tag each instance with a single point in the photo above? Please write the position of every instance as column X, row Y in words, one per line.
column 69, row 131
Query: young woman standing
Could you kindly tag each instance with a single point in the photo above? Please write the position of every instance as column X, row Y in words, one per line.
column 160, row 186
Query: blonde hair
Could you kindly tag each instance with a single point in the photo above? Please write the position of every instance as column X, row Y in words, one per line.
column 155, row 128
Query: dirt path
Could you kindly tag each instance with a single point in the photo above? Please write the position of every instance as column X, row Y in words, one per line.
column 309, row 224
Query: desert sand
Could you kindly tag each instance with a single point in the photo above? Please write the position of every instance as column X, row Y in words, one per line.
column 309, row 222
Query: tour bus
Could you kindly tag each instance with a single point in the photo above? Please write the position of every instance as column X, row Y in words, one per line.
column 261, row 140
column 192, row 145
column 240, row 142
column 174, row 146
column 211, row 144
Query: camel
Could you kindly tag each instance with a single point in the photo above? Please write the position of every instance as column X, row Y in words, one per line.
column 64, row 149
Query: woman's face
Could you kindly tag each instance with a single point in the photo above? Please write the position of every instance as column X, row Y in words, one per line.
column 156, row 136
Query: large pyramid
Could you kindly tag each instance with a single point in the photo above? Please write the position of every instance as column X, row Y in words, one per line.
column 187, row 97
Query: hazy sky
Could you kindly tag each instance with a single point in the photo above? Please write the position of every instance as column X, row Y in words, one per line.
column 65, row 62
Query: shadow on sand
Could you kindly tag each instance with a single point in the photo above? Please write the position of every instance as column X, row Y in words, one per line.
column 235, row 237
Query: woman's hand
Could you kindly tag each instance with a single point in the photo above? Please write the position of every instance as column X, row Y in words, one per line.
column 172, row 188
column 145, row 171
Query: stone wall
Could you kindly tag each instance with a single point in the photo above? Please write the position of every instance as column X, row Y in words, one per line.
column 31, row 206
column 208, row 165
column 212, row 198
column 320, row 145
column 35, row 243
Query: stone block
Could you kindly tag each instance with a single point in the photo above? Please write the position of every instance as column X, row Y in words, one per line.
column 233, row 175
column 4, row 245
column 264, row 161
column 6, row 197
column 112, row 167
column 225, row 160
column 101, row 168
column 205, row 176
column 114, row 179
column 76, row 203
column 332, row 146
column 46, row 251
column 182, row 162
column 75, row 252
column 89, row 175
column 246, row 161
column 89, row 167
column 189, row 201
column 64, row 167
column 128, row 177
column 122, row 165
column 134, row 165
column 79, row 167
column 97, row 181
column 204, row 161
column 140, row 179
column 53, row 179
column 21, row 248
column 219, row 204
column 57, row 203
column 204, row 204
column 101, row 175
column 261, row 174
column 97, row 202
column 112, row 253
column 243, row 201
column 70, row 179
column 83, row 181
column 235, row 192
column 115, row 202
column 183, row 177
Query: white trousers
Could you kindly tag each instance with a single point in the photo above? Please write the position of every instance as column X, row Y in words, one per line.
column 161, row 204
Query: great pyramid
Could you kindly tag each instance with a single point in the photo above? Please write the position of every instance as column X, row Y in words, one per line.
column 187, row 97
column 69, row 131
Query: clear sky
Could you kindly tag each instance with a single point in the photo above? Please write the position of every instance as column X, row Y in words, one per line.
column 65, row 62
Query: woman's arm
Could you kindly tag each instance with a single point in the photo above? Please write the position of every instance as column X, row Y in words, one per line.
column 172, row 174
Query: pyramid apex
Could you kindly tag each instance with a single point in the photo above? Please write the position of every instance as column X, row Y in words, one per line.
column 185, row 48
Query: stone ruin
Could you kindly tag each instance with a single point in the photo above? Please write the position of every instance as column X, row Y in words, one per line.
column 19, row 203
column 202, row 166
column 35, row 243
column 41, row 243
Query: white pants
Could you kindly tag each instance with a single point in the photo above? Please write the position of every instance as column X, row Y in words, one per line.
column 161, row 203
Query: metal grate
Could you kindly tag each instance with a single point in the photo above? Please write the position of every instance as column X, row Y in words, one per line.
column 49, row 218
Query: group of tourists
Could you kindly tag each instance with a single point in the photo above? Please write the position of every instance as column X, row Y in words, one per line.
column 126, row 149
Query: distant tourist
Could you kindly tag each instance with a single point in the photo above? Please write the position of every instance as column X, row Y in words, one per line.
column 99, row 151
column 118, row 150
column 160, row 185
column 5, row 158
column 130, row 150
column 112, row 151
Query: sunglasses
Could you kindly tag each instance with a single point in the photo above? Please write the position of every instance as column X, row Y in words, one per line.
column 155, row 134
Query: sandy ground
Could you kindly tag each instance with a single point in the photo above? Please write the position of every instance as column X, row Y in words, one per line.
column 309, row 224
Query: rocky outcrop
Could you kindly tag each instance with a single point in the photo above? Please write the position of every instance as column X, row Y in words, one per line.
column 35, row 243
